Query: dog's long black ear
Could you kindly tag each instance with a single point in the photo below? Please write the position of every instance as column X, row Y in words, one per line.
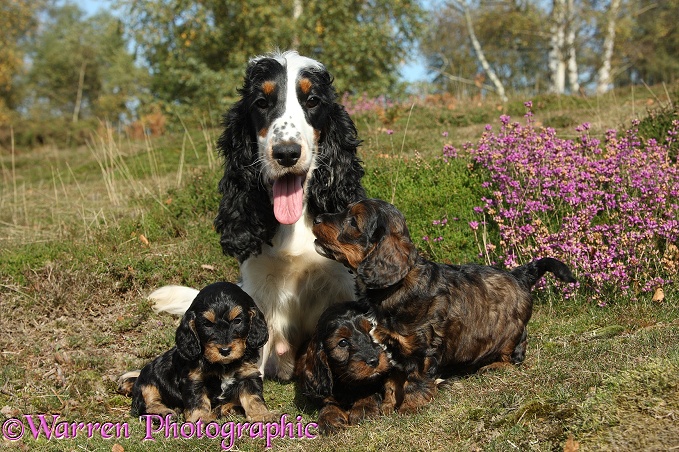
column 186, row 338
column 388, row 263
column 313, row 371
column 337, row 182
column 259, row 333
column 245, row 219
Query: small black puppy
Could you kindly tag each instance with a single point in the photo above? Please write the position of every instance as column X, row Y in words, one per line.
column 213, row 367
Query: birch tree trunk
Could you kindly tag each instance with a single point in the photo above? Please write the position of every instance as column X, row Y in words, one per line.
column 297, row 9
column 497, row 83
column 79, row 93
column 604, row 78
column 572, row 64
column 557, row 66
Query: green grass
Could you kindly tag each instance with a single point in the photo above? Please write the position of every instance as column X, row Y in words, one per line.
column 75, row 270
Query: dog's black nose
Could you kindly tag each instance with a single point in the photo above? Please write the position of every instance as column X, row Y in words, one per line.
column 372, row 362
column 287, row 154
column 225, row 351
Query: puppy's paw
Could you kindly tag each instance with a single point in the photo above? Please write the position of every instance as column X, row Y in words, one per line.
column 364, row 408
column 264, row 417
column 332, row 419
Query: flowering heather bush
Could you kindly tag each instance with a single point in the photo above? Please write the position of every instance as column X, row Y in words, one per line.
column 363, row 104
column 609, row 209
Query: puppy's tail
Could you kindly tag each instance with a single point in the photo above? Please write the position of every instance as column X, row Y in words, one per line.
column 529, row 274
column 126, row 382
column 173, row 299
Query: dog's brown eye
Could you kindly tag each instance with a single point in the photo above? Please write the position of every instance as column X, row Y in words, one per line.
column 262, row 103
column 353, row 222
column 237, row 321
column 343, row 343
column 312, row 101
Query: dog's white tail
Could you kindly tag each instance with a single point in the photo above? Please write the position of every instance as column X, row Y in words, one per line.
column 173, row 299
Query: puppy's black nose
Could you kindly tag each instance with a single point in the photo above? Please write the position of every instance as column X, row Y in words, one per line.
column 372, row 362
column 225, row 351
column 287, row 154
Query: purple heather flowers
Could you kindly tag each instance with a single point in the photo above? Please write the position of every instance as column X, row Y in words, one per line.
column 609, row 209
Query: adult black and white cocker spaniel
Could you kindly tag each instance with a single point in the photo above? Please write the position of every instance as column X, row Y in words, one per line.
column 290, row 155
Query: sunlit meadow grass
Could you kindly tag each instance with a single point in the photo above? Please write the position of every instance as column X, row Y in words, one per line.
column 88, row 232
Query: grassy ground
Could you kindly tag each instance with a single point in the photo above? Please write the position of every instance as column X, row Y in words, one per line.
column 86, row 233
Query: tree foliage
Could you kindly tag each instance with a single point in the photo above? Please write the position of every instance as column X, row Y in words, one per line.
column 196, row 50
column 81, row 67
column 18, row 19
column 650, row 49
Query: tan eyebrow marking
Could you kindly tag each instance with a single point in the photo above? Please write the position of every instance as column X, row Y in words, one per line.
column 210, row 315
column 235, row 312
column 305, row 85
column 268, row 87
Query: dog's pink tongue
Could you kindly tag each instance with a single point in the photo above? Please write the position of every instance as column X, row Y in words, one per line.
column 287, row 199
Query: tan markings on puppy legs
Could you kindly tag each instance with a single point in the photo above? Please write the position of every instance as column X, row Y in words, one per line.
column 255, row 409
column 248, row 370
column 154, row 403
column 204, row 409
column 393, row 392
column 253, row 404
column 202, row 412
column 226, row 409
column 496, row 366
column 126, row 382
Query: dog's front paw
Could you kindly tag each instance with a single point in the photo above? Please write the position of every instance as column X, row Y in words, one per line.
column 264, row 416
column 417, row 393
column 332, row 419
column 364, row 408
column 199, row 414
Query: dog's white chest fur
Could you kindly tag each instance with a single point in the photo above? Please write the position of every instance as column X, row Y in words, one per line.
column 290, row 280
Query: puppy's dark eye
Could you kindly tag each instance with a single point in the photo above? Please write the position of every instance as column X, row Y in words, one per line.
column 237, row 321
column 343, row 343
column 312, row 101
column 353, row 222
column 262, row 103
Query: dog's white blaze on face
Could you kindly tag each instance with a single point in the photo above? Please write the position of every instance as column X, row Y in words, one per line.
column 291, row 126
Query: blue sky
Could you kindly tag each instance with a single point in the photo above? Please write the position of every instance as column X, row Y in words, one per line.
column 411, row 71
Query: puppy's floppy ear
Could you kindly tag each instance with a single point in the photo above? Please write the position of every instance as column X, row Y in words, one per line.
column 388, row 263
column 259, row 333
column 186, row 337
column 314, row 372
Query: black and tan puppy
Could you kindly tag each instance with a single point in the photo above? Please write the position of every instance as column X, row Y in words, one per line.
column 344, row 369
column 213, row 367
column 434, row 319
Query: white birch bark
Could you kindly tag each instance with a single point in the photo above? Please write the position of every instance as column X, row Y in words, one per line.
column 79, row 93
column 297, row 10
column 557, row 66
column 604, row 78
column 572, row 64
column 497, row 83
